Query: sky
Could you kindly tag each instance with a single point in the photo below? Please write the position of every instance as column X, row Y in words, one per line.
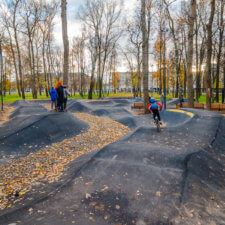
column 74, row 25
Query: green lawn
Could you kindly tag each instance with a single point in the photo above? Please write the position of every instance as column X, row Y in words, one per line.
column 13, row 97
column 202, row 99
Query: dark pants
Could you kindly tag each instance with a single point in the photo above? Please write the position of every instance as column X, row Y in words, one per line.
column 53, row 104
column 65, row 103
column 61, row 105
column 156, row 113
column 181, row 103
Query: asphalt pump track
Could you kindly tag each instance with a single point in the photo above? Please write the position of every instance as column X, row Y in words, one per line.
column 172, row 177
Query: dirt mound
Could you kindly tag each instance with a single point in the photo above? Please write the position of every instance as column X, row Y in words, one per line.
column 19, row 103
column 29, row 109
column 100, row 112
column 100, row 102
column 121, row 105
column 128, row 121
column 75, row 106
column 124, row 101
column 23, row 135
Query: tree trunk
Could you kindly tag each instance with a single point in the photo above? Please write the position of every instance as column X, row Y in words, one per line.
column 144, row 54
column 219, row 50
column 190, row 55
column 14, row 62
column 65, row 42
column 99, row 73
column 139, row 72
column 185, row 80
column 223, row 94
column 209, row 56
column 160, row 64
column 44, row 65
column 18, row 51
column 198, row 80
column 202, row 56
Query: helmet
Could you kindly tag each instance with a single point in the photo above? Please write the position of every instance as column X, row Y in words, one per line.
column 152, row 100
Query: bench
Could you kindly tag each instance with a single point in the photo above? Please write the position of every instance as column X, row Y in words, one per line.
column 215, row 106
column 138, row 105
column 198, row 105
column 184, row 104
column 222, row 107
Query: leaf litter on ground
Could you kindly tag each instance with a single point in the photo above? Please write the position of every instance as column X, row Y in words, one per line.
column 48, row 164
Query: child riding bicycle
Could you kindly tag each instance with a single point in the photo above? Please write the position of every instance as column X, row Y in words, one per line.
column 154, row 108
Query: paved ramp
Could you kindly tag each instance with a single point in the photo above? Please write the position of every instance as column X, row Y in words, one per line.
column 173, row 177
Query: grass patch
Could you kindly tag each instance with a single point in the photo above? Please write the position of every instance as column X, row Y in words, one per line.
column 14, row 96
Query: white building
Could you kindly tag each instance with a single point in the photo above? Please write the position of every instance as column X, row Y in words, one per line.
column 125, row 83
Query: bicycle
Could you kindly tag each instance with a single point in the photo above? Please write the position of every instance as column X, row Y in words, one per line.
column 157, row 123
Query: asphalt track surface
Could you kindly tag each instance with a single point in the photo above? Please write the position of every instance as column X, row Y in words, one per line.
column 172, row 177
column 32, row 127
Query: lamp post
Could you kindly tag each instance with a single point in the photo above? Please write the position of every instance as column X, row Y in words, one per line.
column 1, row 71
column 164, row 64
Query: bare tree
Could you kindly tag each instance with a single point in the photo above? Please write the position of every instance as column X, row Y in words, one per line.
column 8, row 24
column 65, row 42
column 102, row 19
column 221, row 32
column 144, row 54
column 190, row 54
column 209, row 56
column 15, row 27
column 177, row 51
column 134, row 37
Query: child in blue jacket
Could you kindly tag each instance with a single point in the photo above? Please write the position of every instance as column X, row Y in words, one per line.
column 53, row 94
column 154, row 107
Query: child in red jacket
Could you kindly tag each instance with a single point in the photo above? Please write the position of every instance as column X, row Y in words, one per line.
column 154, row 107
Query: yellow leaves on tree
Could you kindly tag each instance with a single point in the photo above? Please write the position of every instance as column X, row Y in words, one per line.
column 115, row 79
column 56, row 81
column 134, row 78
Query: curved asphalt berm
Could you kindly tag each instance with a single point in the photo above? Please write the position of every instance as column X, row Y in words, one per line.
column 31, row 128
column 173, row 177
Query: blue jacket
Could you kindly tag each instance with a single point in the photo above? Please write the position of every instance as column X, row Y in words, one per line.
column 53, row 94
column 154, row 104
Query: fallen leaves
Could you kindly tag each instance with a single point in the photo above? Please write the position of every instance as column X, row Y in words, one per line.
column 4, row 116
column 89, row 183
column 18, row 176
column 117, row 207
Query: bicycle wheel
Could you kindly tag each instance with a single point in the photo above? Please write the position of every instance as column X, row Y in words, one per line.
column 158, row 127
column 157, row 124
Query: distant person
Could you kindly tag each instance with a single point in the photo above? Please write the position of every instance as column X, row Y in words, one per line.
column 181, row 101
column 65, row 94
column 60, row 96
column 53, row 94
column 154, row 108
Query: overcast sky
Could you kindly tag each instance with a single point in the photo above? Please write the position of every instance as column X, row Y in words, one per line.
column 74, row 25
